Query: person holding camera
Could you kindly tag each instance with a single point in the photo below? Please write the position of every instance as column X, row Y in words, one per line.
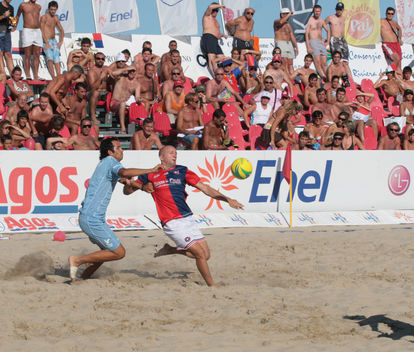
column 340, row 69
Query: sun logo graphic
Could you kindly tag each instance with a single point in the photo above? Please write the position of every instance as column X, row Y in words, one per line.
column 217, row 175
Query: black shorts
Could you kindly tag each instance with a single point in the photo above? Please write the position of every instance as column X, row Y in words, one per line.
column 41, row 138
column 209, row 44
column 241, row 44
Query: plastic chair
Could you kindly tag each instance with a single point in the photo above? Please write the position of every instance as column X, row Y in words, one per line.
column 210, row 108
column 137, row 113
column 162, row 123
column 370, row 142
column 207, row 117
column 393, row 106
column 254, row 132
column 230, row 108
column 202, row 80
column 247, row 98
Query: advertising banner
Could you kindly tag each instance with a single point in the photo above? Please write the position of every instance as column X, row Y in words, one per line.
column 405, row 14
column 42, row 184
column 234, row 9
column 302, row 11
column 177, row 17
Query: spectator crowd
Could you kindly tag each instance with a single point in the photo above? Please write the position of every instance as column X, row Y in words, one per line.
column 150, row 102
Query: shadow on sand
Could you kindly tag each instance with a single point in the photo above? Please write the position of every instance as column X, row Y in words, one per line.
column 399, row 329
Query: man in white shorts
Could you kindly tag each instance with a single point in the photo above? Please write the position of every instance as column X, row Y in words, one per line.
column 168, row 190
column 31, row 36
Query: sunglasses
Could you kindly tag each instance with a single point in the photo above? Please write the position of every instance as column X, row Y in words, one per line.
column 394, row 130
column 250, row 13
column 86, row 126
column 390, row 13
column 338, row 138
column 219, row 74
column 342, row 119
column 269, row 82
column 215, row 10
column 97, row 58
column 176, row 73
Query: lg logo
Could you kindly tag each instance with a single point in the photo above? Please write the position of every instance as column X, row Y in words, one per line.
column 399, row 180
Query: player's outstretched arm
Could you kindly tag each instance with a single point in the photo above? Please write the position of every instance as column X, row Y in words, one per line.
column 213, row 193
column 132, row 172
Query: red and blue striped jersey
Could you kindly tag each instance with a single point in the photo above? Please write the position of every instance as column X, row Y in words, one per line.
column 169, row 195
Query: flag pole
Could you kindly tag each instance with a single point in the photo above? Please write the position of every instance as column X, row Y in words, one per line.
column 222, row 19
column 290, row 199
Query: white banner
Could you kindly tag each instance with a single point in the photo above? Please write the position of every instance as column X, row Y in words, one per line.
column 405, row 13
column 112, row 16
column 177, row 17
column 65, row 13
column 234, row 8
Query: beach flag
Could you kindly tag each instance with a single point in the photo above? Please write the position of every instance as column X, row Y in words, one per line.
column 234, row 8
column 362, row 22
column 405, row 14
column 178, row 17
column 113, row 16
column 287, row 174
column 391, row 68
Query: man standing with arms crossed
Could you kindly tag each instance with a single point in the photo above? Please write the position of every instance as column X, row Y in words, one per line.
column 241, row 28
column 211, row 34
column 168, row 190
column 285, row 39
column 31, row 35
column 92, row 213
column 48, row 23
column 315, row 44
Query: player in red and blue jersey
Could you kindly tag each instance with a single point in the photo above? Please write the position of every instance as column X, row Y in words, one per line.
column 167, row 187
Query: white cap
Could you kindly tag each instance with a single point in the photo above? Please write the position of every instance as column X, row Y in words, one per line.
column 266, row 94
column 284, row 10
column 120, row 57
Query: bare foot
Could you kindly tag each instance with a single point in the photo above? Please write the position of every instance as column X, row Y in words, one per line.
column 73, row 268
column 167, row 249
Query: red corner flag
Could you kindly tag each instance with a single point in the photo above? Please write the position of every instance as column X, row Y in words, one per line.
column 287, row 163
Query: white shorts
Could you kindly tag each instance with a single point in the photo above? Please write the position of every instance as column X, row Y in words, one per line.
column 32, row 36
column 287, row 49
column 184, row 232
column 360, row 117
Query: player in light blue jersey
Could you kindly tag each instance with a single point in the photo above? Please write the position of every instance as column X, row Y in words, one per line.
column 92, row 214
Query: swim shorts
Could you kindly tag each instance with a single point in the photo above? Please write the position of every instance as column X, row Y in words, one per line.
column 114, row 105
column 31, row 36
column 5, row 43
column 318, row 48
column 241, row 44
column 390, row 48
column 209, row 44
column 53, row 53
column 184, row 232
column 99, row 232
column 287, row 49
column 340, row 44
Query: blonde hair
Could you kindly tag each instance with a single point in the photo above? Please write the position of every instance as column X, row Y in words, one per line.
column 291, row 106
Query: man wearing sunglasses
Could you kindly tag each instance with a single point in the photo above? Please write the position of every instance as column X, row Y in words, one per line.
column 241, row 28
column 391, row 141
column 84, row 140
column 391, row 36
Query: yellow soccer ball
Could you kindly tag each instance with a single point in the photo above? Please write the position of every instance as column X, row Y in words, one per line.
column 241, row 168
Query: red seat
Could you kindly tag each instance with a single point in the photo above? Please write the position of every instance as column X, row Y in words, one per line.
column 247, row 98
column 230, row 108
column 210, row 108
column 137, row 113
column 377, row 113
column 254, row 132
column 207, row 117
column 162, row 123
column 370, row 141
column 393, row 106
column 202, row 80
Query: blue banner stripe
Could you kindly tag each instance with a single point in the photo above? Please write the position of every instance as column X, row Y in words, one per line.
column 4, row 210
column 55, row 209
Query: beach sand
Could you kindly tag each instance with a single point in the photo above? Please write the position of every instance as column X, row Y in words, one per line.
column 305, row 289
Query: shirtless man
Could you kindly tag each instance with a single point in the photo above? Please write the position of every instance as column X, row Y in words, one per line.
column 125, row 87
column 145, row 138
column 21, row 104
column 150, row 89
column 83, row 140
column 216, row 132
column 173, row 63
column 138, row 59
column 241, row 28
column 391, row 36
column 409, row 140
column 168, row 86
column 310, row 91
column 391, row 141
column 188, row 118
column 21, row 131
column 218, row 90
column 276, row 71
column 97, row 83
column 145, row 58
column 338, row 126
column 41, row 115
column 77, row 108
column 172, row 45
column 58, row 88
column 87, row 59
column 390, row 85
column 315, row 44
column 285, row 39
column 211, row 34
column 341, row 104
column 324, row 106
column 405, row 80
column 336, row 25
column 48, row 23
column 340, row 69
column 31, row 35
column 301, row 75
